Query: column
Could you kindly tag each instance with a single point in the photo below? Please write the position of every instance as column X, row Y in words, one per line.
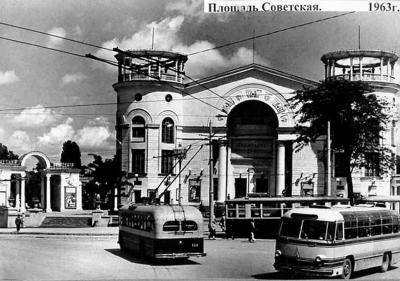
column 361, row 69
column 326, row 71
column 18, row 195
column 351, row 69
column 222, row 169
column 48, row 204
column 333, row 68
column 116, row 198
column 42, row 192
column 23, row 209
column 230, row 189
column 8, row 192
column 387, row 70
column 280, row 163
column 381, row 71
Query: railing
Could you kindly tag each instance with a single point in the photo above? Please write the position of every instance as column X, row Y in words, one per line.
column 151, row 76
column 364, row 77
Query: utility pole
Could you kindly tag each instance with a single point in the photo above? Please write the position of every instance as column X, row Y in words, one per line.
column 328, row 160
column 211, row 189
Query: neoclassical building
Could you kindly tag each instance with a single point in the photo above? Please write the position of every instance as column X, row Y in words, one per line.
column 246, row 111
column 59, row 189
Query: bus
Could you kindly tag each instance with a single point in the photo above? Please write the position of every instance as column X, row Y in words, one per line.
column 336, row 241
column 266, row 212
column 161, row 231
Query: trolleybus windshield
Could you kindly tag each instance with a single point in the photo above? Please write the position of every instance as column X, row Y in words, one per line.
column 308, row 229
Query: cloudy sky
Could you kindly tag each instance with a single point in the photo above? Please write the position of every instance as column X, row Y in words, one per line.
column 36, row 84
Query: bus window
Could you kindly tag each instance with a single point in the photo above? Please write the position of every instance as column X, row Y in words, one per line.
column 331, row 231
column 290, row 228
column 313, row 229
column 395, row 224
column 350, row 228
column 339, row 231
column 387, row 225
column 171, row 226
column 376, row 227
column 242, row 210
column 189, row 226
column 231, row 210
column 255, row 210
column 363, row 226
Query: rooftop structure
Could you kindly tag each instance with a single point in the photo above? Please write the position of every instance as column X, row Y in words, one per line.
column 150, row 65
column 360, row 65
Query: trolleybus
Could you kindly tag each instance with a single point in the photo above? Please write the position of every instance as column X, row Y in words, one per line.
column 161, row 231
column 337, row 241
column 266, row 212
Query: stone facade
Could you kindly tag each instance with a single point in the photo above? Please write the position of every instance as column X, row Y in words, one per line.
column 252, row 127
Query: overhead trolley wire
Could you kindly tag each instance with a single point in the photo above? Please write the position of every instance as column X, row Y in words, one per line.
column 267, row 34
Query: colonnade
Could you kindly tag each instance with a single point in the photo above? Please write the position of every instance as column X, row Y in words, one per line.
column 226, row 179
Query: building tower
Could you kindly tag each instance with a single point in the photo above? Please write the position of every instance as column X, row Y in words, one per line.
column 148, row 125
column 377, row 69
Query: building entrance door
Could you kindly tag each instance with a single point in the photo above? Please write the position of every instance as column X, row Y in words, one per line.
column 261, row 186
column 240, row 187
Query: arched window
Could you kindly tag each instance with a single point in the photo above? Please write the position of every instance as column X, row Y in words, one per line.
column 138, row 130
column 167, row 131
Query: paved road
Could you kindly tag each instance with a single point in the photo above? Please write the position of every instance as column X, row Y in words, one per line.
column 89, row 258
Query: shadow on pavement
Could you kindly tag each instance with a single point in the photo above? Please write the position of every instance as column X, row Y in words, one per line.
column 288, row 276
column 162, row 262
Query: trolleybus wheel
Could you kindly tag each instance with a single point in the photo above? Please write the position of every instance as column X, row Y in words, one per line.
column 385, row 262
column 347, row 269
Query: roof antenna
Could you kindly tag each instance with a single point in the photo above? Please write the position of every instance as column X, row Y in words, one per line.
column 359, row 37
column 152, row 40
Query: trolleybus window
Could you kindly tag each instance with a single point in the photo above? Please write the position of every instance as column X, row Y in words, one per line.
column 189, row 226
column 290, row 228
column 242, row 210
column 256, row 210
column 171, row 226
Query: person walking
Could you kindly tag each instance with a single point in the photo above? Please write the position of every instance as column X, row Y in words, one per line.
column 212, row 230
column 18, row 222
column 252, row 229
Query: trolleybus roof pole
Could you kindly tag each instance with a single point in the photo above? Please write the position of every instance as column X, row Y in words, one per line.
column 162, row 193
column 166, row 176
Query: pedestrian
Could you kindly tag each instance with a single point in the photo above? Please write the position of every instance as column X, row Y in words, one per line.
column 252, row 229
column 222, row 223
column 18, row 222
column 212, row 231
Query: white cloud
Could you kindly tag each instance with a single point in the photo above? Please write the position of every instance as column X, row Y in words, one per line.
column 167, row 37
column 93, row 137
column 59, row 134
column 8, row 77
column 99, row 121
column 35, row 117
column 71, row 78
column 20, row 142
column 53, row 41
column 193, row 9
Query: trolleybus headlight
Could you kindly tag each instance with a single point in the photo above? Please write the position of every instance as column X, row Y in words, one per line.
column 318, row 260
column 278, row 253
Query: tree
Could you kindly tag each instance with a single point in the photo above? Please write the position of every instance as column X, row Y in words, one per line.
column 357, row 119
column 6, row 154
column 71, row 153
column 105, row 175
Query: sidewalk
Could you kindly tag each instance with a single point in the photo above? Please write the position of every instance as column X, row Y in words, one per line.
column 84, row 231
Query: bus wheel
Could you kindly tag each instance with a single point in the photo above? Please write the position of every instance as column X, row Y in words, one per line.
column 347, row 269
column 385, row 262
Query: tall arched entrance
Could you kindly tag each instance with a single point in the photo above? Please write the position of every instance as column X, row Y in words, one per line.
column 252, row 133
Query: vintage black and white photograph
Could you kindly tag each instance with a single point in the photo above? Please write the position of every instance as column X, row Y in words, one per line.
column 199, row 140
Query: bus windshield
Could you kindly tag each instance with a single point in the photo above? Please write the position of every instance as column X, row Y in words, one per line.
column 308, row 229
